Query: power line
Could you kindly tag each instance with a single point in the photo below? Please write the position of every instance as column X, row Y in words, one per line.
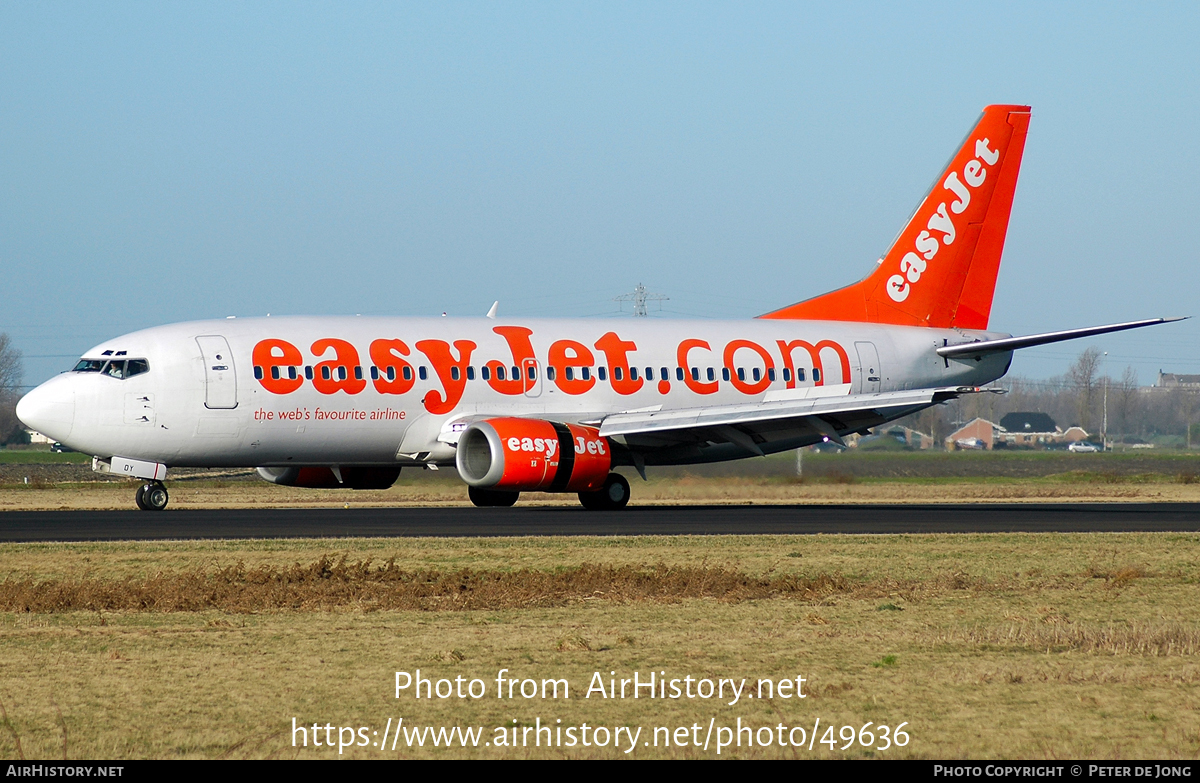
column 639, row 297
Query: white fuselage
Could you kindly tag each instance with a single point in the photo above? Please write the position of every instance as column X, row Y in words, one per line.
column 271, row 392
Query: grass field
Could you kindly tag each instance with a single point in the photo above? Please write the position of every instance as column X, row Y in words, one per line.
column 1000, row 646
column 42, row 457
column 887, row 477
column 684, row 491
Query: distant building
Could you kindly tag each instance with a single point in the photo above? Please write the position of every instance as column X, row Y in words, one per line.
column 1028, row 430
column 977, row 433
column 36, row 437
column 1170, row 380
column 1073, row 433
column 1028, row 422
column 914, row 439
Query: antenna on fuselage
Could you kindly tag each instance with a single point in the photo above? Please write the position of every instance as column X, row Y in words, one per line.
column 491, row 313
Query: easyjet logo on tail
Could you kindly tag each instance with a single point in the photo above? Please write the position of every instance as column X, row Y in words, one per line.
column 941, row 270
column 939, row 230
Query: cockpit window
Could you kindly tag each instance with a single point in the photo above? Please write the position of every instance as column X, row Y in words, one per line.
column 119, row 369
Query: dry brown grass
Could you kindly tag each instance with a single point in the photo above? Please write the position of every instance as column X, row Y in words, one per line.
column 335, row 583
column 1157, row 639
column 1118, row 577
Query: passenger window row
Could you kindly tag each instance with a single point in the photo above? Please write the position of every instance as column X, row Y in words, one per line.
column 502, row 373
column 341, row 373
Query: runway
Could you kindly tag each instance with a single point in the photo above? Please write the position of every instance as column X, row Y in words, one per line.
column 31, row 526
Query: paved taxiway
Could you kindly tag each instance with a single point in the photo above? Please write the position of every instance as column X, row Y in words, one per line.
column 574, row 521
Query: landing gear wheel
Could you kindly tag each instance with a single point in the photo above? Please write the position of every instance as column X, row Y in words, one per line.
column 152, row 497
column 613, row 495
column 495, row 498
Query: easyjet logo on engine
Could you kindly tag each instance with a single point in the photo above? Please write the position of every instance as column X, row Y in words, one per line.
column 589, row 445
column 939, row 228
column 545, row 446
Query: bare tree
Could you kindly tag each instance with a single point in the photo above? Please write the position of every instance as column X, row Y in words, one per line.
column 934, row 421
column 10, row 382
column 1127, row 392
column 1082, row 375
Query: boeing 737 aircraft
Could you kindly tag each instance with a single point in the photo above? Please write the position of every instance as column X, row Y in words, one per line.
column 553, row 405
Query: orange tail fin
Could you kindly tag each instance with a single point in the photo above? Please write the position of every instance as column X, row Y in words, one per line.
column 942, row 269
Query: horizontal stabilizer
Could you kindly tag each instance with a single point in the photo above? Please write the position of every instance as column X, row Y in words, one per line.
column 984, row 347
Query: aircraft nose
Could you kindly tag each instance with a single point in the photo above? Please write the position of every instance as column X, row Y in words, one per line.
column 49, row 409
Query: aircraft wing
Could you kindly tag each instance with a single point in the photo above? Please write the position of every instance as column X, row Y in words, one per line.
column 750, row 424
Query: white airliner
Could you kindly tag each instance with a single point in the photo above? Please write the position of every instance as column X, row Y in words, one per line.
column 553, row 405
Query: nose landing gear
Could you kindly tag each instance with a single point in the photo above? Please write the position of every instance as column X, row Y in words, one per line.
column 151, row 496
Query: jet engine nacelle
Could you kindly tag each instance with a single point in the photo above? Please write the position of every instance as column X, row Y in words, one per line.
column 533, row 455
column 326, row 478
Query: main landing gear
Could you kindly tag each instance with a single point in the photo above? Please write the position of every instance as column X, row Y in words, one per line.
column 613, row 495
column 495, row 498
column 152, row 496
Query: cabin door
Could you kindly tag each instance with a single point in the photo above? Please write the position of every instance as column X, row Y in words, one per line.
column 220, row 379
column 869, row 375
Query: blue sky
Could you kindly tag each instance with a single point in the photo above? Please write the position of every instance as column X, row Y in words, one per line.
column 166, row 162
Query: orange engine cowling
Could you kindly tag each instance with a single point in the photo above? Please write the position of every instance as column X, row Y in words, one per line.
column 527, row 455
column 353, row 477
